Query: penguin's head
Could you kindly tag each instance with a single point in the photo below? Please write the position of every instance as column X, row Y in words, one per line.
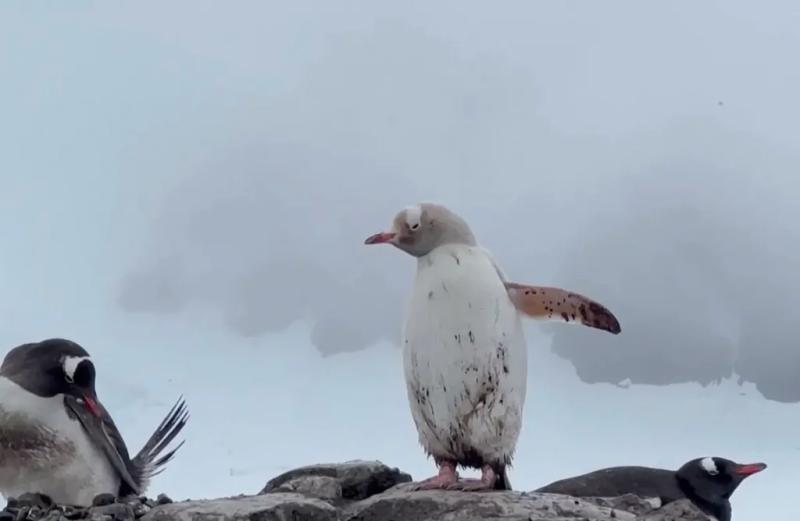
column 715, row 478
column 419, row 229
column 53, row 367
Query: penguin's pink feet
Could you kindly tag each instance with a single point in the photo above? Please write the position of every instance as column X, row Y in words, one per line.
column 446, row 477
column 486, row 483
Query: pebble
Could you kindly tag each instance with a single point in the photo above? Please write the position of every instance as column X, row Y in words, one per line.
column 105, row 507
column 103, row 499
column 75, row 512
column 35, row 500
column 140, row 509
column 117, row 511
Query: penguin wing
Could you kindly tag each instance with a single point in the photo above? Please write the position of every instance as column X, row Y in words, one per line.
column 547, row 303
column 103, row 433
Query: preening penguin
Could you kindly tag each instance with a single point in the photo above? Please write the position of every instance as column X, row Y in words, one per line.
column 57, row 439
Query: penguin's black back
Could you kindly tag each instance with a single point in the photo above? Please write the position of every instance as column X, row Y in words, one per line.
column 616, row 481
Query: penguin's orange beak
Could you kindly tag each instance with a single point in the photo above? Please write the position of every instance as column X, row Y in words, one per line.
column 749, row 469
column 380, row 238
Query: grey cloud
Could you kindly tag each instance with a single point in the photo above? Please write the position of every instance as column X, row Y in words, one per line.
column 267, row 245
column 648, row 165
column 701, row 274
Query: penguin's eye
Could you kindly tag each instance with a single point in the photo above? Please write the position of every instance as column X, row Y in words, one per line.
column 414, row 226
column 68, row 378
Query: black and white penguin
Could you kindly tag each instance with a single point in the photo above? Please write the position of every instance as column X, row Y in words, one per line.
column 707, row 482
column 465, row 356
column 57, row 439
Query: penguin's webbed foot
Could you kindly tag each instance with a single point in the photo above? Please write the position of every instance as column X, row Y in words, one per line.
column 446, row 477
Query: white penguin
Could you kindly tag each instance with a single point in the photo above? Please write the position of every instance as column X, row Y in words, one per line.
column 464, row 351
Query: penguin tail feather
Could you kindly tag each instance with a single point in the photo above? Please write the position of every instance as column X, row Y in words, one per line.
column 150, row 461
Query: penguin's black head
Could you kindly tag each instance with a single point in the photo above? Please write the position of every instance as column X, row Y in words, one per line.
column 52, row 367
column 715, row 479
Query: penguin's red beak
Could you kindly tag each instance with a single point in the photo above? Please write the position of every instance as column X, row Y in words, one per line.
column 92, row 405
column 380, row 238
column 749, row 469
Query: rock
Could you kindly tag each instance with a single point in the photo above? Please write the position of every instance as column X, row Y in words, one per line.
column 117, row 511
column 265, row 507
column 30, row 514
column 357, row 491
column 403, row 504
column 53, row 515
column 103, row 499
column 34, row 500
column 357, row 479
column 682, row 510
column 72, row 513
column 323, row 487
column 628, row 503
column 140, row 509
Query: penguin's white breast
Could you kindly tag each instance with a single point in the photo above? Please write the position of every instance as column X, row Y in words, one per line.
column 459, row 309
column 42, row 421
column 58, row 456
column 463, row 344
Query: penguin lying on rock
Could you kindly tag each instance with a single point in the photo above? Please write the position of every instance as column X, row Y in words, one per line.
column 706, row 482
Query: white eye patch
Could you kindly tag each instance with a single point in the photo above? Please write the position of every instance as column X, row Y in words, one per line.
column 709, row 466
column 70, row 364
column 413, row 216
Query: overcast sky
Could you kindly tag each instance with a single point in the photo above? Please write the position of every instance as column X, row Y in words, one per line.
column 643, row 154
column 189, row 162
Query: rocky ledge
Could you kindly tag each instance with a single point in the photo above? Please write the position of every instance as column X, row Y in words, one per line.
column 357, row 491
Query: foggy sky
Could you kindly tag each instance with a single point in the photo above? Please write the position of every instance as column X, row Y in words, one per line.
column 643, row 155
